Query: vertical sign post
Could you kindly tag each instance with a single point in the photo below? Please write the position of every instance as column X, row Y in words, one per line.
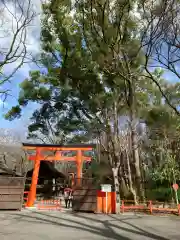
column 106, row 188
column 106, row 203
column 176, row 187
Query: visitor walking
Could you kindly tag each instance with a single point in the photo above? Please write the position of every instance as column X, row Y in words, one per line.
column 67, row 196
column 70, row 198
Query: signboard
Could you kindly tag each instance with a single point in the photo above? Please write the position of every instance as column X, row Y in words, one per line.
column 106, row 188
column 175, row 186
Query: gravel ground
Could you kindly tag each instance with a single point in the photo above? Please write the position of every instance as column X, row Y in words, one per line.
column 42, row 225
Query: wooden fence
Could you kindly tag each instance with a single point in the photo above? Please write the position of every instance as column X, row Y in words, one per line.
column 11, row 193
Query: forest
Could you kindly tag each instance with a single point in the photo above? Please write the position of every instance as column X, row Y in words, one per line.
column 109, row 74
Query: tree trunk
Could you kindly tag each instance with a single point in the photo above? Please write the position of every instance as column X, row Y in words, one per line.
column 135, row 147
column 117, row 188
column 136, row 158
column 124, row 188
column 134, row 139
column 131, row 188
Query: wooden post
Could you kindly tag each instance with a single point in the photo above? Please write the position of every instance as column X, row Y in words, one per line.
column 79, row 166
column 122, row 206
column 150, row 207
column 72, row 179
column 179, row 209
column 32, row 193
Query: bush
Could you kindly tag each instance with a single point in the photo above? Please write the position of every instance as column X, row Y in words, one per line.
column 162, row 194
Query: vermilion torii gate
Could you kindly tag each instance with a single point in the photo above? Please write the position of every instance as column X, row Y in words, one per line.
column 58, row 150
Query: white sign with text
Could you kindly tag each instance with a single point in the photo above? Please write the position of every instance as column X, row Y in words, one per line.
column 106, row 188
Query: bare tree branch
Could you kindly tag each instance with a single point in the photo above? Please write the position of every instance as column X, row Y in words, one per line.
column 20, row 15
column 161, row 39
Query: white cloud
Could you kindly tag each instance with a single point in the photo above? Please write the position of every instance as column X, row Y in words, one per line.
column 3, row 104
column 10, row 15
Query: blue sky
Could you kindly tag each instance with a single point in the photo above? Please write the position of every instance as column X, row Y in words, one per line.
column 12, row 101
column 171, row 77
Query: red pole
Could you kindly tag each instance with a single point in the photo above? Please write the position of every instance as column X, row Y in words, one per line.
column 72, row 179
column 122, row 206
column 34, row 181
column 79, row 166
column 179, row 209
column 150, row 207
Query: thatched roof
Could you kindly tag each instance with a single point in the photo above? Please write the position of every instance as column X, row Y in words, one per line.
column 59, row 145
column 11, row 158
column 48, row 171
column 6, row 171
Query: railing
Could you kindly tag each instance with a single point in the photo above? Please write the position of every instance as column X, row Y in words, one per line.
column 26, row 196
column 149, row 207
column 49, row 205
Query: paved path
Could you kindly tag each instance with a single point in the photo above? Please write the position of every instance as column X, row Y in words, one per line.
column 43, row 225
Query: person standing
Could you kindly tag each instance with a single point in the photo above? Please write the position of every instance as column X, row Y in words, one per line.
column 66, row 197
column 70, row 198
column 67, row 191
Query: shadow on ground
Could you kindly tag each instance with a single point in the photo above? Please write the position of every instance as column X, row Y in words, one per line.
column 100, row 227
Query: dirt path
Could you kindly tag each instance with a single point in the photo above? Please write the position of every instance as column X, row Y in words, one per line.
column 43, row 225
